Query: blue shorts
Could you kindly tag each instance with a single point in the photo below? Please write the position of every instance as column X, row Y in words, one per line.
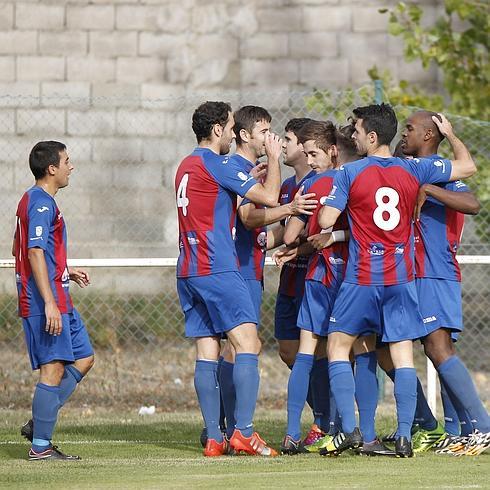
column 440, row 305
column 72, row 344
column 255, row 288
column 389, row 311
column 316, row 307
column 215, row 303
column 286, row 317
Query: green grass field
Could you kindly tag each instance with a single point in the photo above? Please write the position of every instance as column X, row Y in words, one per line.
column 122, row 450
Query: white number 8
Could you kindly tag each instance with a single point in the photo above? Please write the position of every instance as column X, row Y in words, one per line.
column 182, row 200
column 389, row 207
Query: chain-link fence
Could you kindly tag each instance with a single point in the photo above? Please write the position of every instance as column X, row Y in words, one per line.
column 120, row 203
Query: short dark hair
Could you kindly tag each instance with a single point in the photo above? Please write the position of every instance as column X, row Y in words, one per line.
column 207, row 115
column 322, row 132
column 294, row 125
column 381, row 119
column 44, row 154
column 345, row 144
column 246, row 117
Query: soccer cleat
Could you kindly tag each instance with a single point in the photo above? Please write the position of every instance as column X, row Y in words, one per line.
column 253, row 445
column 50, row 454
column 424, row 439
column 478, row 443
column 451, row 445
column 290, row 446
column 203, row 438
column 403, row 448
column 342, row 442
column 27, row 430
column 214, row 448
column 313, row 435
column 391, row 437
column 319, row 444
column 375, row 448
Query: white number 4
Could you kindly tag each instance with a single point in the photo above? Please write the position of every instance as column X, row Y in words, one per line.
column 182, row 201
column 388, row 207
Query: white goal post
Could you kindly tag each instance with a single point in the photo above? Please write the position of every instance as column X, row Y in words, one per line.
column 172, row 262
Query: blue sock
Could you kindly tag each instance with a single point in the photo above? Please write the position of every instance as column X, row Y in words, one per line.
column 45, row 406
column 335, row 425
column 207, row 389
column 343, row 388
column 299, row 380
column 367, row 394
column 320, row 387
column 406, row 400
column 228, row 395
column 458, row 383
column 451, row 419
column 246, row 379
column 309, row 396
column 71, row 378
column 221, row 406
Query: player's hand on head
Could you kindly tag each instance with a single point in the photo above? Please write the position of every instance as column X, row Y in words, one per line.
column 79, row 276
column 273, row 146
column 321, row 240
column 421, row 198
column 303, row 203
column 441, row 121
column 259, row 171
column 54, row 325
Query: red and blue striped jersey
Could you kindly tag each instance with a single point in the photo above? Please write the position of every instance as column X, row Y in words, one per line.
column 438, row 235
column 251, row 245
column 328, row 265
column 380, row 195
column 40, row 224
column 206, row 186
column 292, row 278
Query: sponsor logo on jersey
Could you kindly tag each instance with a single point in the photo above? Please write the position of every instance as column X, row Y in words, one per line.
column 60, row 216
column 284, row 196
column 399, row 250
column 336, row 260
column 66, row 275
column 39, row 231
column 192, row 240
column 323, row 200
column 333, row 320
column 44, row 208
column 262, row 239
column 18, row 277
column 225, row 160
column 440, row 163
column 429, row 319
column 375, row 250
column 246, row 178
column 459, row 184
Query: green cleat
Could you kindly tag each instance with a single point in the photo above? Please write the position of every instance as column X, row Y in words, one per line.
column 424, row 439
column 319, row 444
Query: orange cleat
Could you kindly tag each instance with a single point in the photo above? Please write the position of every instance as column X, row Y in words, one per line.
column 214, row 448
column 254, row 445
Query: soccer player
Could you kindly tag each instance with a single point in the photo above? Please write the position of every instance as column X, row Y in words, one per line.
column 252, row 125
column 438, row 228
column 324, row 275
column 56, row 338
column 213, row 295
column 379, row 193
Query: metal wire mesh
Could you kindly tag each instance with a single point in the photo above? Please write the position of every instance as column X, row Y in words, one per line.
column 120, row 203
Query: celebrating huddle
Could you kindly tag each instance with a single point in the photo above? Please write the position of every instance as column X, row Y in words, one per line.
column 368, row 264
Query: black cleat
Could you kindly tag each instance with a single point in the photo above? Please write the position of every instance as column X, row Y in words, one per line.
column 403, row 448
column 341, row 442
column 50, row 454
column 375, row 448
column 27, row 430
column 290, row 446
column 203, row 438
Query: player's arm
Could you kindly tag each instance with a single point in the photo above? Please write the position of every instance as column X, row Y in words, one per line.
column 464, row 202
column 39, row 269
column 293, row 230
column 463, row 165
column 328, row 216
column 267, row 193
column 252, row 217
column 275, row 237
column 326, row 239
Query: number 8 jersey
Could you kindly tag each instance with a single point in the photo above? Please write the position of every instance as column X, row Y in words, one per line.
column 380, row 196
column 206, row 187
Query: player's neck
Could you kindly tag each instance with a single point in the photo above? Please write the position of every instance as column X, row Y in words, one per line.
column 246, row 153
column 210, row 145
column 382, row 151
column 301, row 171
column 47, row 185
column 426, row 152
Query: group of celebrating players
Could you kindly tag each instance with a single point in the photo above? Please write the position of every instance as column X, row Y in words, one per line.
column 368, row 254
column 369, row 263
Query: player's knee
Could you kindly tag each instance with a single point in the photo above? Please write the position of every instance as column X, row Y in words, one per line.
column 438, row 352
column 287, row 355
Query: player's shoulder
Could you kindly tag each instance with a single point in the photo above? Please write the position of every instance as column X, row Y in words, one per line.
column 38, row 196
column 289, row 182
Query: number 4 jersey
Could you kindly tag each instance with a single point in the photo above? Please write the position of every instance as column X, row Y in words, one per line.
column 380, row 196
column 206, row 187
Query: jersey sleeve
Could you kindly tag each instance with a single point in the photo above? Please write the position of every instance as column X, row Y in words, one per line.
column 339, row 193
column 457, row 186
column 40, row 215
column 232, row 176
column 430, row 171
